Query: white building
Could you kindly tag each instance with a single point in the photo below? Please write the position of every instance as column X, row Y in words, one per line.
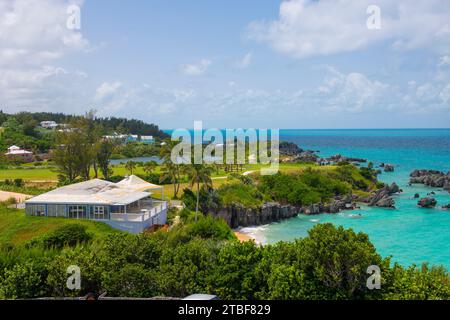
column 49, row 124
column 126, row 205
column 17, row 152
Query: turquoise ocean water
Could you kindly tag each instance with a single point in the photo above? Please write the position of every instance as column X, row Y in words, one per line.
column 408, row 233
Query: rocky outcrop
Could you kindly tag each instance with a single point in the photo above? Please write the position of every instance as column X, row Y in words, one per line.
column 388, row 167
column 446, row 207
column 239, row 216
column 383, row 197
column 289, row 149
column 340, row 158
column 416, row 196
column 427, row 202
column 431, row 178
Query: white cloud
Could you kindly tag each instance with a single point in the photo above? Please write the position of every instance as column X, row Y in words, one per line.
column 245, row 61
column 444, row 61
column 33, row 36
column 306, row 28
column 197, row 69
column 106, row 89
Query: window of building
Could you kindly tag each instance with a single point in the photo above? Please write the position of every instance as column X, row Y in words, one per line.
column 56, row 210
column 98, row 212
column 77, row 212
column 35, row 209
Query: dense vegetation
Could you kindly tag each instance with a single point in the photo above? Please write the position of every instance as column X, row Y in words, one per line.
column 204, row 257
column 301, row 188
column 23, row 129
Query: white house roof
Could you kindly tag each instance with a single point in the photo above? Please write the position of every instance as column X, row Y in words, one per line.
column 18, row 152
column 94, row 191
column 15, row 150
column 135, row 183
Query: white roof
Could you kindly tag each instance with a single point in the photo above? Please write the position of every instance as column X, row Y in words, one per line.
column 135, row 183
column 18, row 152
column 14, row 148
column 94, row 191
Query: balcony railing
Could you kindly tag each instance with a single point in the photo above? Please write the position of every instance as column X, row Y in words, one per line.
column 148, row 210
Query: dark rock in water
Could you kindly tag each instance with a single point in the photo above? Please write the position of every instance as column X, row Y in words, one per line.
column 431, row 178
column 340, row 158
column 382, row 165
column 416, row 196
column 427, row 203
column 289, row 149
column 383, row 197
column 446, row 207
column 388, row 168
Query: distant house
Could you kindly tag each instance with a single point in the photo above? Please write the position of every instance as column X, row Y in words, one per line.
column 126, row 205
column 147, row 139
column 15, row 152
column 49, row 124
column 125, row 138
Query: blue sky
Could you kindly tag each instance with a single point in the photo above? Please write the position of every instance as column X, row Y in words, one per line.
column 263, row 64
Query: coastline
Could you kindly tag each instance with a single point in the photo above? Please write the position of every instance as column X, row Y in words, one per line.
column 255, row 233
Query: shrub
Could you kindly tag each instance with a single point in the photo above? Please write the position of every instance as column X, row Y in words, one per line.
column 133, row 280
column 23, row 281
column 210, row 228
column 67, row 235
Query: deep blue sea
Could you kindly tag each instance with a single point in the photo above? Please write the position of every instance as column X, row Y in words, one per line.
column 408, row 233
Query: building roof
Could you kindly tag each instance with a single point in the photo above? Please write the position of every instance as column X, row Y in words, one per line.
column 135, row 183
column 15, row 150
column 96, row 191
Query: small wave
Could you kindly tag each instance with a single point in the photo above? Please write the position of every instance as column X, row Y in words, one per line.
column 256, row 233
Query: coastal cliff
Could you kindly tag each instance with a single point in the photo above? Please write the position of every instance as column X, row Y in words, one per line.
column 240, row 216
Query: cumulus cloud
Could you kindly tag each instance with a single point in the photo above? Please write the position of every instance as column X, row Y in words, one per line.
column 33, row 36
column 107, row 89
column 307, row 28
column 197, row 69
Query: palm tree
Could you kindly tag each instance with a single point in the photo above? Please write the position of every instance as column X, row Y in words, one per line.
column 130, row 166
column 149, row 167
column 171, row 172
column 199, row 173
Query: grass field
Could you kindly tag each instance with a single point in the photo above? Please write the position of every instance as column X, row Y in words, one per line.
column 17, row 228
column 29, row 173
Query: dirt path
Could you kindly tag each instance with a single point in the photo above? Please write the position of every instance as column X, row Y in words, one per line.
column 20, row 197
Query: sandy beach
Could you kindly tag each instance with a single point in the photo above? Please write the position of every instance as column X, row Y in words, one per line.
column 242, row 237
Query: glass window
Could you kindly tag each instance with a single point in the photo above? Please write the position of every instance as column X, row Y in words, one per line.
column 98, row 212
column 77, row 212
column 56, row 210
column 35, row 209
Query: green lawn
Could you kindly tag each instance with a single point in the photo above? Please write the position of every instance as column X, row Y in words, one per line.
column 17, row 228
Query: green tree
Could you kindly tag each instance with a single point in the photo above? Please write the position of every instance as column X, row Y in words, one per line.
column 130, row 166
column 199, row 174
column 170, row 171
column 149, row 167
column 105, row 151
